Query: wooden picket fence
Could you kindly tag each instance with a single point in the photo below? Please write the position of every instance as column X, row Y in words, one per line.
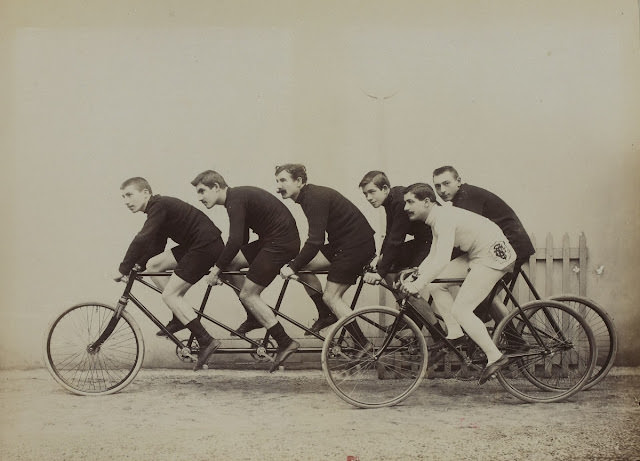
column 558, row 270
column 553, row 270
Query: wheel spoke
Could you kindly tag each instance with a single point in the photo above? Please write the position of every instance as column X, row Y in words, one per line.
column 552, row 350
column 366, row 375
column 106, row 369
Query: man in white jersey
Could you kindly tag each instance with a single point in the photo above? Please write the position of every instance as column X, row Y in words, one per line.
column 488, row 257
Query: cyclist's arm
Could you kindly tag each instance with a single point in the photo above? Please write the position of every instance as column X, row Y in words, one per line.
column 148, row 242
column 317, row 213
column 397, row 228
column 238, row 234
column 440, row 253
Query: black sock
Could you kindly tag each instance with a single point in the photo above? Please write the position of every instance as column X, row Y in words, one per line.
column 203, row 337
column 356, row 333
column 323, row 309
column 281, row 336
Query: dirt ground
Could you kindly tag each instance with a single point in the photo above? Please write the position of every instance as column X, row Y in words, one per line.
column 293, row 415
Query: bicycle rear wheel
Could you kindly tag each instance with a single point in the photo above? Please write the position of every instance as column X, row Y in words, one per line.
column 553, row 352
column 382, row 372
column 603, row 330
column 109, row 368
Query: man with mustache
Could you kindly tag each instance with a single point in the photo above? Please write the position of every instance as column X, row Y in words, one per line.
column 488, row 257
column 252, row 208
column 350, row 245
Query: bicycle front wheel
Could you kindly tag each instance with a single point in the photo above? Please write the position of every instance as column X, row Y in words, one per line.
column 83, row 371
column 382, row 372
column 603, row 330
column 552, row 350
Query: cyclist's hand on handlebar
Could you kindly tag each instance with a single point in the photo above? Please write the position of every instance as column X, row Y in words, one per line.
column 411, row 273
column 213, row 277
column 372, row 278
column 287, row 273
column 411, row 288
column 408, row 282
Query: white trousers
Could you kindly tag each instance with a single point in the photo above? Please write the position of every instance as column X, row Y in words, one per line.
column 458, row 312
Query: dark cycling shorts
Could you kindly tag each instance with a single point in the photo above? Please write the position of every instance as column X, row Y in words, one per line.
column 410, row 254
column 194, row 263
column 347, row 265
column 266, row 258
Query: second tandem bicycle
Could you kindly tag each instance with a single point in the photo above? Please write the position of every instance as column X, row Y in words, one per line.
column 95, row 349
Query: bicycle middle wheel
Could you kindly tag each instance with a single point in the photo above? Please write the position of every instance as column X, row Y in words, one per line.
column 381, row 373
column 553, row 352
column 104, row 371
column 603, row 330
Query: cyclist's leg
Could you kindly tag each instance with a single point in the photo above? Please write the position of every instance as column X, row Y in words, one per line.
column 442, row 297
column 314, row 290
column 163, row 262
column 497, row 309
column 173, row 296
column 333, row 294
column 346, row 267
column 478, row 284
column 326, row 316
column 263, row 269
column 192, row 266
column 251, row 299
column 320, row 262
column 193, row 263
column 242, row 261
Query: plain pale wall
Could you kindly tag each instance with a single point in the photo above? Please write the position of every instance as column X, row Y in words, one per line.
column 538, row 102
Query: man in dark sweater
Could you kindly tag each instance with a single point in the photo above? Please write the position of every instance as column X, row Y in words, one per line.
column 350, row 237
column 396, row 253
column 449, row 186
column 252, row 208
column 199, row 246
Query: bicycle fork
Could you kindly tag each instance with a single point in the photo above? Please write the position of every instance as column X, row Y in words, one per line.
column 94, row 347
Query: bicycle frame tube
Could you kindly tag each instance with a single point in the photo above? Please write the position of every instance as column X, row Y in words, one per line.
column 404, row 304
column 556, row 328
column 137, row 275
column 276, row 310
column 529, row 284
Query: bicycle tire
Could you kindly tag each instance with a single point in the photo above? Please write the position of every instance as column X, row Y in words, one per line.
column 555, row 370
column 107, row 370
column 366, row 376
column 603, row 329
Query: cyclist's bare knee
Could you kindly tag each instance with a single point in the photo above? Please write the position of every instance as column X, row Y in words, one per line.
column 250, row 291
column 161, row 262
column 332, row 297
